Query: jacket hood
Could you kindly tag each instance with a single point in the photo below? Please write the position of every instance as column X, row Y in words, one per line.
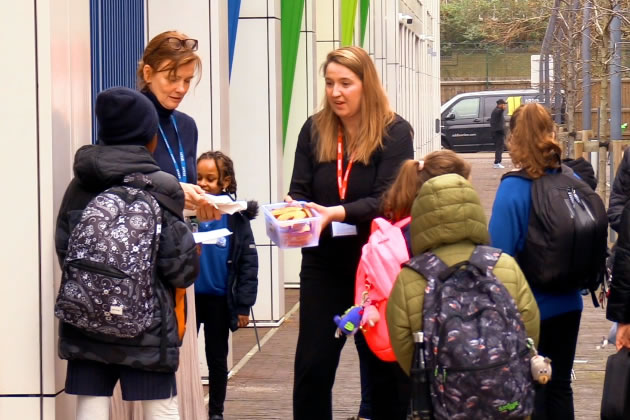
column 99, row 167
column 447, row 210
column 584, row 169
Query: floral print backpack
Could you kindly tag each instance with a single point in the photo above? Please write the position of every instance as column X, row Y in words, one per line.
column 108, row 273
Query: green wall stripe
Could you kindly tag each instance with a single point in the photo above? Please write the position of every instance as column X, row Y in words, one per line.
column 348, row 14
column 364, row 11
column 291, row 19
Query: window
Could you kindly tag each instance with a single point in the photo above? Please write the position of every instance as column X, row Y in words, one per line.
column 489, row 104
column 466, row 108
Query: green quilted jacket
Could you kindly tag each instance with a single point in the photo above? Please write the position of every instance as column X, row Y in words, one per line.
column 448, row 220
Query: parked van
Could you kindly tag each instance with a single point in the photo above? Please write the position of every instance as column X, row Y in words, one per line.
column 466, row 117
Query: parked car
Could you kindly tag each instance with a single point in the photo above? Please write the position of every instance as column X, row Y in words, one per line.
column 465, row 118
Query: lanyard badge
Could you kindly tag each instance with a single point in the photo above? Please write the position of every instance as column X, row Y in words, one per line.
column 180, row 168
column 342, row 182
column 338, row 228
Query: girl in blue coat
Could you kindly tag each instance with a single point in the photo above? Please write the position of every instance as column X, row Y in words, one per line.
column 534, row 149
column 228, row 280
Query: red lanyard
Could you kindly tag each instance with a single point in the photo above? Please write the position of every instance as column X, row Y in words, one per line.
column 342, row 184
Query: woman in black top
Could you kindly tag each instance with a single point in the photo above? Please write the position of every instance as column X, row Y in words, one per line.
column 346, row 157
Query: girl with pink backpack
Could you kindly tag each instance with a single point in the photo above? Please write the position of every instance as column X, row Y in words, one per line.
column 387, row 248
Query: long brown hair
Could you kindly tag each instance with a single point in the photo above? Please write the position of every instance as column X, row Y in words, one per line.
column 532, row 142
column 158, row 52
column 399, row 197
column 375, row 111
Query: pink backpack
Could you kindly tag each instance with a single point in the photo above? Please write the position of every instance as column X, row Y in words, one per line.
column 380, row 263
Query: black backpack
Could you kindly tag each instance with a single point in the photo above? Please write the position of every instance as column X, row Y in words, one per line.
column 475, row 345
column 107, row 284
column 566, row 244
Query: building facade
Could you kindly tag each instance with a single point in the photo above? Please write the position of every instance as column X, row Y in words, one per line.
column 261, row 79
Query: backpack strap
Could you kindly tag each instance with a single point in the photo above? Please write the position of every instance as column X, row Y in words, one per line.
column 143, row 182
column 379, row 223
column 428, row 265
column 485, row 258
column 432, row 267
column 403, row 222
column 168, row 203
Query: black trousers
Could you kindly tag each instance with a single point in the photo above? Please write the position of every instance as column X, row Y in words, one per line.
column 325, row 291
column 385, row 387
column 213, row 312
column 558, row 340
column 499, row 145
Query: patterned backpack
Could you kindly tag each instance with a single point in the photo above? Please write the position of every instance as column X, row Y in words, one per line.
column 476, row 352
column 107, row 280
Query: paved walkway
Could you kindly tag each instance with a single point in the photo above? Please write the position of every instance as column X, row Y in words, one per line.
column 261, row 384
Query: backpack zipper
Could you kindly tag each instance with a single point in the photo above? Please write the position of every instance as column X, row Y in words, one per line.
column 574, row 198
column 110, row 272
column 443, row 369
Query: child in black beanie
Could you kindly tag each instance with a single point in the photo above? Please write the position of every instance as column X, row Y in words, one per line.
column 145, row 364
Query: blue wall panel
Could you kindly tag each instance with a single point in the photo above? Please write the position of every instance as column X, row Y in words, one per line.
column 234, row 7
column 117, row 42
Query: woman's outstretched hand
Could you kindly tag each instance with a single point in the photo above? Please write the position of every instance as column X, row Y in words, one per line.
column 196, row 200
column 329, row 214
column 194, row 194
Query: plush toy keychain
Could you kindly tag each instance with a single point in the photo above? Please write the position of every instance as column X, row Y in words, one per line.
column 541, row 366
column 356, row 317
column 349, row 322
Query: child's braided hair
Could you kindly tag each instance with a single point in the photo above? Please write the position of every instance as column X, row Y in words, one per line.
column 225, row 166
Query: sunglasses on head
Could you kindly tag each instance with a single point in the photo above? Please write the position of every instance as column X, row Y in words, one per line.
column 178, row 44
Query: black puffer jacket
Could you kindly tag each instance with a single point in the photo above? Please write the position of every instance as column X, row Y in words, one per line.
column 584, row 169
column 97, row 168
column 619, row 300
column 242, row 265
column 620, row 192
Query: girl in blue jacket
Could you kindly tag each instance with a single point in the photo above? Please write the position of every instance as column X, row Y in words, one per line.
column 534, row 149
column 228, row 280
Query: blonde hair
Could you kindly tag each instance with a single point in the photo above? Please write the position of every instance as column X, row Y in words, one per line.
column 375, row 111
column 399, row 198
column 532, row 143
column 158, row 51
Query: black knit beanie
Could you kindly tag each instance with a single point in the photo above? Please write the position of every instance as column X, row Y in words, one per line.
column 125, row 117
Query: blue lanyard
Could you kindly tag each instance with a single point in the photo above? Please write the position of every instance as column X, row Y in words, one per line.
column 181, row 170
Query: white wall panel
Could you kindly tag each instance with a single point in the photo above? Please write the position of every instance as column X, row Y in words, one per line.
column 65, row 86
column 21, row 254
column 253, row 9
column 19, row 408
column 219, row 80
column 256, row 135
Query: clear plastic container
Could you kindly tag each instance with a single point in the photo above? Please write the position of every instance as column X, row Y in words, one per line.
column 298, row 233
